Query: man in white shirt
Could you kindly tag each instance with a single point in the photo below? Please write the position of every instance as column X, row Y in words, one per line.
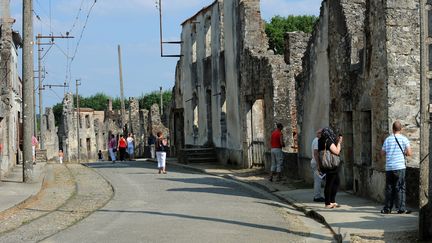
column 315, row 170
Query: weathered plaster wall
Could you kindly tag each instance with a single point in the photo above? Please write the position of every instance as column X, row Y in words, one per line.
column 313, row 91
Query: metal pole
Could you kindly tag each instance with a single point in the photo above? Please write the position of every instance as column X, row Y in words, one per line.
column 42, row 142
column 121, row 88
column 161, row 101
column 78, row 121
column 28, row 89
column 160, row 27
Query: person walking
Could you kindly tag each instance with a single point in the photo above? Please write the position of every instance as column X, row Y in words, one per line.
column 35, row 143
column 276, row 142
column 151, row 142
column 122, row 145
column 329, row 142
column 60, row 155
column 160, row 147
column 131, row 146
column 316, row 173
column 395, row 148
column 112, row 148
column 100, row 156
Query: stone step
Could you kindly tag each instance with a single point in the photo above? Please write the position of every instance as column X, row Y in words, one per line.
column 199, row 155
column 202, row 160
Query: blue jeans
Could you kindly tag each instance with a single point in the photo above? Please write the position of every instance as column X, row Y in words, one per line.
column 395, row 190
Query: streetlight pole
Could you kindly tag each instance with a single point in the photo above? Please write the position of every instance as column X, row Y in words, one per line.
column 28, row 90
column 78, row 82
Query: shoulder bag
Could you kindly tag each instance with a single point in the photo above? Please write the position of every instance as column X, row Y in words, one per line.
column 405, row 158
column 328, row 160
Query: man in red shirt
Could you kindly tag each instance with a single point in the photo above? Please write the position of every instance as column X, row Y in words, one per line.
column 276, row 142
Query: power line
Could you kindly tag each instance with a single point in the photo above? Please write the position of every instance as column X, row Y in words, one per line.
column 80, row 38
column 77, row 17
column 82, row 31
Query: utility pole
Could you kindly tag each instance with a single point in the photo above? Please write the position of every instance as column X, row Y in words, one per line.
column 28, row 90
column 78, row 82
column 123, row 111
column 41, row 139
column 425, row 188
column 39, row 37
column 161, row 101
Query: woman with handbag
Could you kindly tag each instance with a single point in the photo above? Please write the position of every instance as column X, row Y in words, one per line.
column 161, row 148
column 329, row 148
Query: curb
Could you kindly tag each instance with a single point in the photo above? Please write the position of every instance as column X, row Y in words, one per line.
column 308, row 213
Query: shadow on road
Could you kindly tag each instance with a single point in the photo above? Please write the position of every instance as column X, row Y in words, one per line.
column 225, row 221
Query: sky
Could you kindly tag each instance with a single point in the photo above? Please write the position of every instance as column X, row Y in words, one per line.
column 91, row 55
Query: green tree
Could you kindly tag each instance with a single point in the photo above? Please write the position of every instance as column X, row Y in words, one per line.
column 57, row 110
column 147, row 100
column 278, row 26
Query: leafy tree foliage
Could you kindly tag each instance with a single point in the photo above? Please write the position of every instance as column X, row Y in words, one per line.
column 57, row 110
column 99, row 102
column 278, row 26
column 146, row 101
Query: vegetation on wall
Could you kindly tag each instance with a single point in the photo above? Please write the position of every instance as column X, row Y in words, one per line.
column 278, row 26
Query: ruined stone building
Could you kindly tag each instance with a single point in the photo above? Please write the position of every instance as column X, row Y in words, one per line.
column 10, row 96
column 49, row 133
column 95, row 128
column 230, row 91
column 361, row 72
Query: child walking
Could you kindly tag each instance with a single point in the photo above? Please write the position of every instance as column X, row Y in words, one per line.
column 60, row 155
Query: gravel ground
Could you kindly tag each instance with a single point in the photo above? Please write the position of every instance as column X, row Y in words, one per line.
column 69, row 194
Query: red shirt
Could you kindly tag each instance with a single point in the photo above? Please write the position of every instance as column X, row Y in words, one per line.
column 122, row 143
column 275, row 140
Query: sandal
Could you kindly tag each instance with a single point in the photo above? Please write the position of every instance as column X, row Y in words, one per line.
column 335, row 205
column 329, row 206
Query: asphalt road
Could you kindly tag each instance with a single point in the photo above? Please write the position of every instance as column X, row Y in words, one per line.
column 185, row 206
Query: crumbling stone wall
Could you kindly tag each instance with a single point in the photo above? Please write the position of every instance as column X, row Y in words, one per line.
column 134, row 124
column 50, row 135
column 10, row 96
column 67, row 130
column 233, row 90
column 155, row 122
column 295, row 47
column 371, row 56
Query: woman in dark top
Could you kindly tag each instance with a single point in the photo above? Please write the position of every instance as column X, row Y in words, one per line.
column 329, row 142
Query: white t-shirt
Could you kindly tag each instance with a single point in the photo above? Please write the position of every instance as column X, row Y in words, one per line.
column 129, row 140
column 313, row 147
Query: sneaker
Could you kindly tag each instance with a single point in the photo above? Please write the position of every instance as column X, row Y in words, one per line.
column 403, row 211
column 385, row 211
column 319, row 199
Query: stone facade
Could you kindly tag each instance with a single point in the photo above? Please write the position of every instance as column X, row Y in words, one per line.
column 50, row 135
column 361, row 72
column 230, row 91
column 10, row 96
column 97, row 126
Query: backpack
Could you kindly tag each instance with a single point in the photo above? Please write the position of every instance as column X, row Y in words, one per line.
column 328, row 160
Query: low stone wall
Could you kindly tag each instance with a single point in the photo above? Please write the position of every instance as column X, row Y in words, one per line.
column 227, row 156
